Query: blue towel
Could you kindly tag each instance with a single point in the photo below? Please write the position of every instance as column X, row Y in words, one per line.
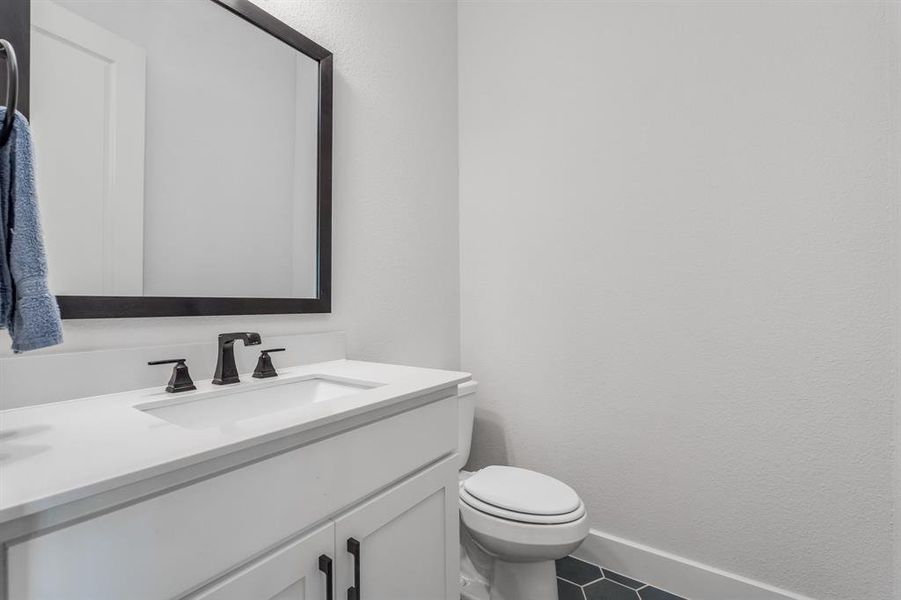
column 27, row 308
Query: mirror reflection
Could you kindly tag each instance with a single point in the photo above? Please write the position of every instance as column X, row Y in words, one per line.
column 176, row 151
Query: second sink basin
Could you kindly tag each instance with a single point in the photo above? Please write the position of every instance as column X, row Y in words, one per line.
column 228, row 405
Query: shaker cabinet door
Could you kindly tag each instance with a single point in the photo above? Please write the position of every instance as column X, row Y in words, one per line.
column 402, row 544
column 296, row 572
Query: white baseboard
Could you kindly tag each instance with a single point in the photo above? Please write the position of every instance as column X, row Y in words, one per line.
column 673, row 573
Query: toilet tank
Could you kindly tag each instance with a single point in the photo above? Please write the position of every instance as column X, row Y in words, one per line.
column 466, row 396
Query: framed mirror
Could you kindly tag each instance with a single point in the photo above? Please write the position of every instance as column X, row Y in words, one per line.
column 183, row 156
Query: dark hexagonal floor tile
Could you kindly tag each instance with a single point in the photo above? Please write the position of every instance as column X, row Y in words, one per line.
column 609, row 590
column 569, row 591
column 578, row 571
column 626, row 581
column 652, row 593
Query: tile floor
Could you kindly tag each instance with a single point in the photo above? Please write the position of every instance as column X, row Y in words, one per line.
column 580, row 580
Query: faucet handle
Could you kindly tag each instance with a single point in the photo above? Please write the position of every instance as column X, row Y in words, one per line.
column 181, row 378
column 265, row 367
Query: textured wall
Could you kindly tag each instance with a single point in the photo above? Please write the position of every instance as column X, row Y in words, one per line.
column 396, row 275
column 678, row 271
column 894, row 17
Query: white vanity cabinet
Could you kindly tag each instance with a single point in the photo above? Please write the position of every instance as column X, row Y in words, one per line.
column 257, row 531
column 400, row 545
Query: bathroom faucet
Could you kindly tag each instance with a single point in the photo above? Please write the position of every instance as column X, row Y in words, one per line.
column 226, row 371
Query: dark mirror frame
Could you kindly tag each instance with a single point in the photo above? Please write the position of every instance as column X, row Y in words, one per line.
column 15, row 26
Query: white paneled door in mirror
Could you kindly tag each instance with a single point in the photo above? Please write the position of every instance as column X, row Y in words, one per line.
column 88, row 117
column 177, row 151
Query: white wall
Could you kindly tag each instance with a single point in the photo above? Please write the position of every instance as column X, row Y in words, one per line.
column 395, row 289
column 678, row 255
column 894, row 19
column 678, row 272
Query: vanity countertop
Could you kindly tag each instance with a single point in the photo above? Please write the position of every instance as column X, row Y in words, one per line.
column 52, row 454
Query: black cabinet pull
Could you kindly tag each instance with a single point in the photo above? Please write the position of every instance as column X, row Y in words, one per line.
column 325, row 565
column 353, row 546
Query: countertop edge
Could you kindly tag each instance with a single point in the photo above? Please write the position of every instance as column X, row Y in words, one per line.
column 230, row 455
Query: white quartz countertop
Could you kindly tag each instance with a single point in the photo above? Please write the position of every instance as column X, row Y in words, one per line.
column 52, row 454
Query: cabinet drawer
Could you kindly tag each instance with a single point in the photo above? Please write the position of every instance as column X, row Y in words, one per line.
column 168, row 545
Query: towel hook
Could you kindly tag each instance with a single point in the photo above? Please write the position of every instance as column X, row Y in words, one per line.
column 12, row 90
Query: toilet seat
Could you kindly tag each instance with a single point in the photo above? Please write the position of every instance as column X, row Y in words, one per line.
column 520, row 517
column 520, row 495
column 519, row 541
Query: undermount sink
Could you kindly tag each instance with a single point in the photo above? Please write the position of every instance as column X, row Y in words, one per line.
column 228, row 405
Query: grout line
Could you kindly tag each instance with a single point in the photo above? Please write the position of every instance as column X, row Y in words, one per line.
column 581, row 588
column 568, row 581
column 602, row 577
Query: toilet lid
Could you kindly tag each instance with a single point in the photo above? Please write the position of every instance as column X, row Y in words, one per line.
column 522, row 491
column 470, row 501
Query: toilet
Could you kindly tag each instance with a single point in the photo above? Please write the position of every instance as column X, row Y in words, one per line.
column 514, row 523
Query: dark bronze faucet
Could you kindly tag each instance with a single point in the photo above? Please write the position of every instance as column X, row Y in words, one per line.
column 226, row 370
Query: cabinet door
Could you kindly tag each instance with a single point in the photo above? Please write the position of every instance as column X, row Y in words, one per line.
column 408, row 541
column 294, row 572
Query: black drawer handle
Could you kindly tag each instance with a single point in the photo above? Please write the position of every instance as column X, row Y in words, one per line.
column 353, row 592
column 325, row 565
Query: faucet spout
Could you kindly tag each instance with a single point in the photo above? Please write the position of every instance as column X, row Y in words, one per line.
column 226, row 370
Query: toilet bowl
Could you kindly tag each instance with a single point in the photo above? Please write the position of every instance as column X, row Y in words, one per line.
column 514, row 523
